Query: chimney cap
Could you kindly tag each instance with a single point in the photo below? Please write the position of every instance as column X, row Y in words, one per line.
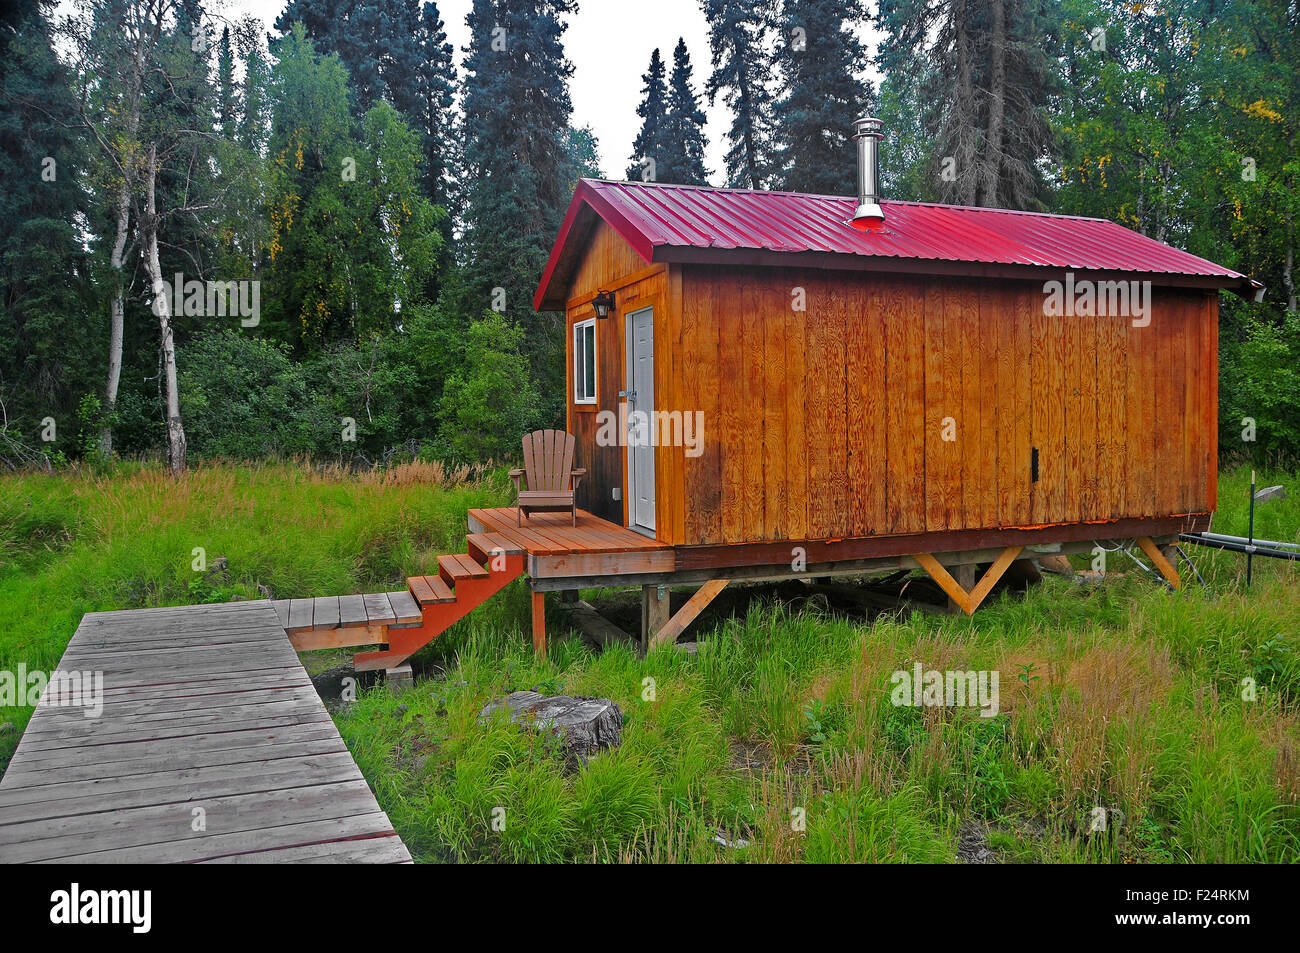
column 868, row 126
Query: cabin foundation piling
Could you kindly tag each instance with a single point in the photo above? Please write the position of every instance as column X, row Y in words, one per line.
column 655, row 613
column 668, row 633
column 965, row 577
column 539, row 623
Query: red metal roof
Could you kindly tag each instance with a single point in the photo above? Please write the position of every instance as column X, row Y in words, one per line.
column 704, row 224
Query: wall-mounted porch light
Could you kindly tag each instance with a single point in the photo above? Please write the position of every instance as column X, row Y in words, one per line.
column 603, row 303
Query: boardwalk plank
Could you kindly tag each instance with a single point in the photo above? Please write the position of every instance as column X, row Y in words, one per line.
column 341, row 829
column 167, row 827
column 378, row 609
column 92, row 771
column 352, row 610
column 370, row 850
column 405, row 608
column 325, row 612
column 181, row 787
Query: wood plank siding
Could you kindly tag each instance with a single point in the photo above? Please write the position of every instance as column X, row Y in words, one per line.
column 611, row 265
column 830, row 422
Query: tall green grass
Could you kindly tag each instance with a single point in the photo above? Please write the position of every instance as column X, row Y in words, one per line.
column 777, row 741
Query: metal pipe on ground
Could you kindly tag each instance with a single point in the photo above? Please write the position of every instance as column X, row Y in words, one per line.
column 1255, row 550
column 1273, row 543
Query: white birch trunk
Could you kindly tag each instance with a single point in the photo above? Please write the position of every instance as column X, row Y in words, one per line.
column 163, row 309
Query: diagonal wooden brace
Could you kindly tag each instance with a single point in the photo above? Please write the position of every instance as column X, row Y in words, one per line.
column 968, row 602
column 1164, row 565
column 687, row 613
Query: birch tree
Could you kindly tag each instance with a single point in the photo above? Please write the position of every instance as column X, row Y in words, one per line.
column 140, row 66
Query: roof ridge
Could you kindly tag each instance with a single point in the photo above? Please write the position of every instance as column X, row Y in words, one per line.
column 982, row 209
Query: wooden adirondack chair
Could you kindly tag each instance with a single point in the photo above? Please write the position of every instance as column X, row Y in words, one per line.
column 548, row 457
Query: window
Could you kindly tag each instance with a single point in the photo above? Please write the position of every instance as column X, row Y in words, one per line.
column 584, row 362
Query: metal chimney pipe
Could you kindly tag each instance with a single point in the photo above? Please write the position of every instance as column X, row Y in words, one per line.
column 869, row 217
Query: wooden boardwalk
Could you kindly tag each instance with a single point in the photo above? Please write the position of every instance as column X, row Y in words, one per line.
column 212, row 747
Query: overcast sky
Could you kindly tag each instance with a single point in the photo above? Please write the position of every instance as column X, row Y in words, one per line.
column 609, row 44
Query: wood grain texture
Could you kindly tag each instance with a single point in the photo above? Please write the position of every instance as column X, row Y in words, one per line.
column 904, row 398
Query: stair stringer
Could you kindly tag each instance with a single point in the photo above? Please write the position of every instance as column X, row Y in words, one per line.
column 437, row 617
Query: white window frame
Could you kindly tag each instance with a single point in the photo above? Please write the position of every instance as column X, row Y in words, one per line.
column 580, row 361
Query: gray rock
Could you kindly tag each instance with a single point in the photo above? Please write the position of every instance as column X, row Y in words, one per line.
column 585, row 725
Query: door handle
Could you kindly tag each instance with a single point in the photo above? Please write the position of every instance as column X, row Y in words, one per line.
column 629, row 394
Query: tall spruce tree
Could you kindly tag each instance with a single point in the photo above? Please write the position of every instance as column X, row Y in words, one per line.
column 519, row 169
column 819, row 59
column 435, row 113
column 51, row 333
column 738, row 33
column 684, row 139
column 227, row 92
column 254, row 121
column 988, row 83
column 435, row 120
column 241, row 227
column 649, row 150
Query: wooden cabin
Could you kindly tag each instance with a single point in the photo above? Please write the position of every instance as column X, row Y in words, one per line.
column 960, row 379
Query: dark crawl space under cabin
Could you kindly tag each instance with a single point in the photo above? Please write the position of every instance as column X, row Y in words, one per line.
column 765, row 385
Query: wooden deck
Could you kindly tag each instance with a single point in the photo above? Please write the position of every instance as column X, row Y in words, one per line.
column 594, row 547
column 209, row 721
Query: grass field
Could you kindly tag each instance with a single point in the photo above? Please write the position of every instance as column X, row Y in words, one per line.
column 1120, row 696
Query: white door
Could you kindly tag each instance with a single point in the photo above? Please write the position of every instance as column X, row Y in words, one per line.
column 640, row 396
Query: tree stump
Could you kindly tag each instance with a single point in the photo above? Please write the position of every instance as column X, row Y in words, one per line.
column 584, row 725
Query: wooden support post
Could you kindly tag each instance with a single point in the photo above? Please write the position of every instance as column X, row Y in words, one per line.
column 667, row 634
column 654, row 612
column 968, row 600
column 1163, row 564
column 964, row 576
column 1024, row 571
column 539, row 623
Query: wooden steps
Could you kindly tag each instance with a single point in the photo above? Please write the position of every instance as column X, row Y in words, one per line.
column 405, row 621
column 464, row 581
column 484, row 546
column 428, row 589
